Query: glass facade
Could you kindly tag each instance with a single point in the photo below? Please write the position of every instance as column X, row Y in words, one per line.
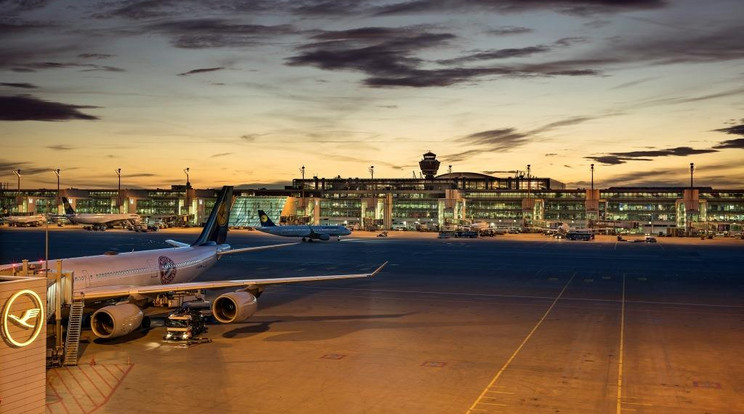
column 384, row 203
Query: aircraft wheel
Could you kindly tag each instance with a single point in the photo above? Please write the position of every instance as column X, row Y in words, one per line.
column 304, row 239
column 146, row 322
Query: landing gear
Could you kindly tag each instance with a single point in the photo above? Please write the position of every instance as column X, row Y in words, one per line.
column 304, row 239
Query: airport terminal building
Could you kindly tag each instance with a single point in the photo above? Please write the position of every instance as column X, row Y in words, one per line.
column 430, row 202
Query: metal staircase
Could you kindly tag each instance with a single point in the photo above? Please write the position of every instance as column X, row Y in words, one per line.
column 74, row 325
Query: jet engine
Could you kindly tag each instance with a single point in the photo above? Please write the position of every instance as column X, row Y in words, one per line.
column 234, row 307
column 116, row 320
column 324, row 236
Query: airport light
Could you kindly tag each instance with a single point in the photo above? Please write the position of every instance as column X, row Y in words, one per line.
column 302, row 188
column 689, row 214
column 692, row 169
column 592, row 180
column 18, row 173
column 56, row 172
column 118, row 195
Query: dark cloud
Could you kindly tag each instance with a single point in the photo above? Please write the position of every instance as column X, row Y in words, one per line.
column 387, row 56
column 506, row 139
column 195, row 71
column 140, row 9
column 577, row 7
column 28, row 108
column 14, row 6
column 623, row 157
column 94, row 56
column 734, row 130
column 496, row 139
column 211, row 33
column 497, row 54
column 509, row 30
column 26, row 168
column 716, row 43
column 732, row 143
column 60, row 147
column 19, row 85
column 84, row 67
column 551, row 154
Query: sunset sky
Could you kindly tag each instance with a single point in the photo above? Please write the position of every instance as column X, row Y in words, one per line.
column 246, row 92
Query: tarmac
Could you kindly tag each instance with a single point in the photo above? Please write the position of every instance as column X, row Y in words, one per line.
column 510, row 324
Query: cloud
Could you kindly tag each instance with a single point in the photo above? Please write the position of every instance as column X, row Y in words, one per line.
column 19, row 85
column 508, row 30
column 195, row 71
column 94, row 56
column 734, row 130
column 217, row 33
column 60, row 147
column 388, row 58
column 732, row 143
column 576, row 7
column 506, row 139
column 222, row 154
column 26, row 168
column 497, row 54
column 84, row 67
column 616, row 158
column 28, row 108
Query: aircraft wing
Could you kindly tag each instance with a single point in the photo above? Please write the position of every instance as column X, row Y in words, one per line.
column 253, row 249
column 111, row 292
column 175, row 243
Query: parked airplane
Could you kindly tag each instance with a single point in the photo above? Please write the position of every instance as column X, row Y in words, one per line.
column 307, row 232
column 99, row 221
column 135, row 280
column 31, row 221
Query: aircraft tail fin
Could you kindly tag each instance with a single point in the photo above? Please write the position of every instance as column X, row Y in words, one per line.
column 215, row 229
column 265, row 220
column 68, row 207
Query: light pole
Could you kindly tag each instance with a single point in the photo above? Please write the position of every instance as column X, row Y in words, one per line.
column 529, row 195
column 18, row 198
column 56, row 172
column 592, row 180
column 302, row 192
column 118, row 195
column 689, row 214
column 18, row 173
column 188, row 185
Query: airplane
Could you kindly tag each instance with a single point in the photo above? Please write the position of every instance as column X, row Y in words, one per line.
column 99, row 221
column 161, row 277
column 31, row 221
column 306, row 232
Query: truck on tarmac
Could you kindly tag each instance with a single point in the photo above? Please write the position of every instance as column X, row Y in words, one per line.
column 187, row 323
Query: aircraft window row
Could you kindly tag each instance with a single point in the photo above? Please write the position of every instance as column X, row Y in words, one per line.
column 120, row 273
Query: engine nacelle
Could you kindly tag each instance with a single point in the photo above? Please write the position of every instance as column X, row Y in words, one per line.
column 234, row 307
column 324, row 236
column 116, row 320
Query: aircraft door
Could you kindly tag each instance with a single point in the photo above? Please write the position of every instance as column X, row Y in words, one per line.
column 87, row 278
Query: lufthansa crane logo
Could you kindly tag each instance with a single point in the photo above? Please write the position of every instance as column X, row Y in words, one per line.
column 25, row 319
column 222, row 214
column 264, row 218
column 167, row 269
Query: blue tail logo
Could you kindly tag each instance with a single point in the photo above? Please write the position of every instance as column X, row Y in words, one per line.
column 265, row 220
column 215, row 229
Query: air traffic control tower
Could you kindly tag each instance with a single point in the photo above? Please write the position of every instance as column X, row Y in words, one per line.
column 429, row 165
